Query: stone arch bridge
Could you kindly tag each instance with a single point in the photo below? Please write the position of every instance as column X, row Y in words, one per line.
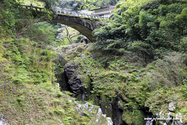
column 84, row 23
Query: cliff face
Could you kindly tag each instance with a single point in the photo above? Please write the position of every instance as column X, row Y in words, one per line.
column 122, row 87
column 125, row 90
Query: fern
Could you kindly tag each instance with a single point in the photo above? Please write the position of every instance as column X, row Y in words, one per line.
column 144, row 27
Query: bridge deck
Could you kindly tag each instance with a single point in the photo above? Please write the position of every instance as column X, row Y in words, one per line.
column 84, row 23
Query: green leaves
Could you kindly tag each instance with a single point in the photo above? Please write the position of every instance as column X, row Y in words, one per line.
column 85, row 4
column 159, row 24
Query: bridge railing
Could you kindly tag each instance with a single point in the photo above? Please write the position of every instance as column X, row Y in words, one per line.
column 31, row 7
column 71, row 13
column 78, row 14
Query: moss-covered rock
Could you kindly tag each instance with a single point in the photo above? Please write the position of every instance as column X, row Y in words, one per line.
column 133, row 116
column 124, row 87
column 169, row 102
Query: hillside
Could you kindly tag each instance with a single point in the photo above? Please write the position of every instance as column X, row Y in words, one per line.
column 137, row 68
column 28, row 92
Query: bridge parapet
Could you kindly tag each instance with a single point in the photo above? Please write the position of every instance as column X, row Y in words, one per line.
column 30, row 7
column 86, row 20
column 72, row 13
column 84, row 23
column 91, row 25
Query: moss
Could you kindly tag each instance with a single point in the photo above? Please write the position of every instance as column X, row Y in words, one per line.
column 160, row 100
column 85, row 80
column 41, row 106
column 133, row 116
column 108, row 83
column 38, row 103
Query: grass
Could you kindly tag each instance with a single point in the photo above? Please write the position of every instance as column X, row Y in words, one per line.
column 35, row 104
column 23, row 102
column 28, row 93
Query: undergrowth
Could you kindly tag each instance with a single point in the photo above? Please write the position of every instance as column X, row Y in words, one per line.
column 28, row 92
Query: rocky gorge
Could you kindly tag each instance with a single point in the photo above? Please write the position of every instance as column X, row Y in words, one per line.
column 135, row 72
column 119, row 93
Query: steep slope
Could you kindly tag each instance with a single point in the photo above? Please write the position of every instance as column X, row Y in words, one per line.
column 28, row 92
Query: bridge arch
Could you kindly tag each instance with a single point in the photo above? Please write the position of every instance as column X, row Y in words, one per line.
column 83, row 23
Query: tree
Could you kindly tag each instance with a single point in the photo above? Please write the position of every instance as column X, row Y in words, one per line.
column 49, row 3
column 146, row 27
column 68, row 34
column 85, row 4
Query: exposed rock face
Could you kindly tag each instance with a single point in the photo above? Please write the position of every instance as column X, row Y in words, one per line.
column 69, row 77
column 2, row 120
column 167, row 113
column 95, row 113
column 172, row 106
column 76, row 80
column 118, row 92
column 168, row 117
column 78, row 77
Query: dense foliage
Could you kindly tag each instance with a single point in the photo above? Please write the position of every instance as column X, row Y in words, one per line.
column 27, row 82
column 146, row 27
column 23, row 38
column 85, row 4
column 28, row 48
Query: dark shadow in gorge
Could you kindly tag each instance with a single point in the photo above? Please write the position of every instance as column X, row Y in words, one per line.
column 62, row 79
column 108, row 106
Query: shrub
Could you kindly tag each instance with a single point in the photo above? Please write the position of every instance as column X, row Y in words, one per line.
column 157, row 24
column 167, row 72
column 183, row 44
